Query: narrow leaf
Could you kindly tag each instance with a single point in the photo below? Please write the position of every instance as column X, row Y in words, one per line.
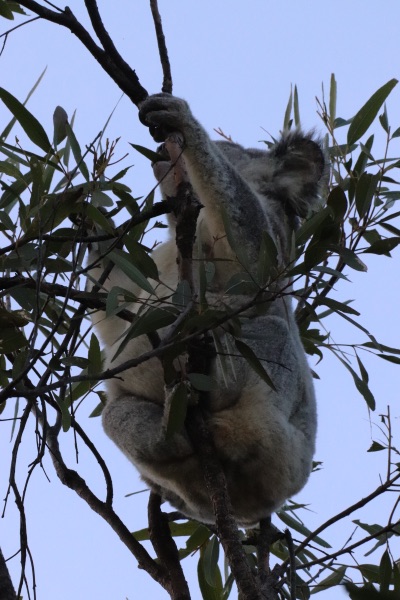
column 383, row 246
column 338, row 306
column 332, row 99
column 368, row 112
column 296, row 109
column 60, row 119
column 28, row 122
column 124, row 262
column 365, row 190
column 288, row 111
column 177, row 408
column 5, row 11
column 150, row 154
column 201, row 382
column 76, row 151
column 254, row 362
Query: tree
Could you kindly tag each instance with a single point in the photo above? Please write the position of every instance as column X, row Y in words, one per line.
column 45, row 315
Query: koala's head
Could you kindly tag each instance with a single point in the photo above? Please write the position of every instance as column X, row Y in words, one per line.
column 292, row 171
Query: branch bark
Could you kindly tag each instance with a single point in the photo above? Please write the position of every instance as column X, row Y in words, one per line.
column 199, row 360
column 166, row 550
column 7, row 591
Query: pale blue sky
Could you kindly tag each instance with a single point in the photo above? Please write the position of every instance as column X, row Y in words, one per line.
column 234, row 62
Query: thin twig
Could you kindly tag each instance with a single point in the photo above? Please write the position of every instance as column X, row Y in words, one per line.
column 162, row 48
column 7, row 591
column 165, row 547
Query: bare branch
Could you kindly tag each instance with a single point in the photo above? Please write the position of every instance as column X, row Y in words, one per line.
column 165, row 547
column 162, row 48
column 7, row 591
column 74, row 481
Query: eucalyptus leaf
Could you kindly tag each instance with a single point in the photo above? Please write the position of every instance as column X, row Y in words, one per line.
column 254, row 362
column 28, row 122
column 177, row 408
column 368, row 112
column 124, row 262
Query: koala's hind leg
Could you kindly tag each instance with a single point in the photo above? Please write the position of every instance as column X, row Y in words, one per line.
column 137, row 427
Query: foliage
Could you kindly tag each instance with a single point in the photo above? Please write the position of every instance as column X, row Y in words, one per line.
column 56, row 197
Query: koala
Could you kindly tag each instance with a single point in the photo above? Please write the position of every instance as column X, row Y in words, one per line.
column 264, row 437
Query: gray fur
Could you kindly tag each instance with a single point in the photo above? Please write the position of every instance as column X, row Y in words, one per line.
column 264, row 438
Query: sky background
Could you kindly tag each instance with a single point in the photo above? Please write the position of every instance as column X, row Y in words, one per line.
column 234, row 62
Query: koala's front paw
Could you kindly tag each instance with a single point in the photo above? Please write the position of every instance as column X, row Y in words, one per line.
column 164, row 114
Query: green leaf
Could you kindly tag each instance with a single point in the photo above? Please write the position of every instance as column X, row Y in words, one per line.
column 383, row 246
column 98, row 217
column 337, row 201
column 238, row 245
column 338, row 306
column 210, row 557
column 60, row 119
column 288, row 111
column 376, row 447
column 150, row 154
column 368, row 112
column 381, row 347
column 242, row 284
column 28, row 122
column 362, row 386
column 9, row 169
column 363, row 370
column 393, row 359
column 254, row 362
column 267, row 259
column 76, row 151
column 97, row 411
column 350, row 258
column 201, row 382
column 63, row 403
column 183, row 529
column 11, row 339
column 383, row 119
column 330, row 271
column 94, row 356
column 152, row 320
column 6, row 131
column 365, row 191
column 55, row 209
column 198, row 538
column 309, row 227
column 385, row 571
column 209, row 591
column 124, row 262
column 332, row 580
column 332, row 99
column 299, row 527
column 296, row 110
column 5, row 11
column 143, row 260
column 177, row 408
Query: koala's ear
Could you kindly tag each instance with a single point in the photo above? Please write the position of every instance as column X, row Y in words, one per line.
column 300, row 169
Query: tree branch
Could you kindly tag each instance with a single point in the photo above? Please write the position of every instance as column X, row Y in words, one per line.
column 7, row 591
column 165, row 547
column 75, row 482
column 162, row 48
